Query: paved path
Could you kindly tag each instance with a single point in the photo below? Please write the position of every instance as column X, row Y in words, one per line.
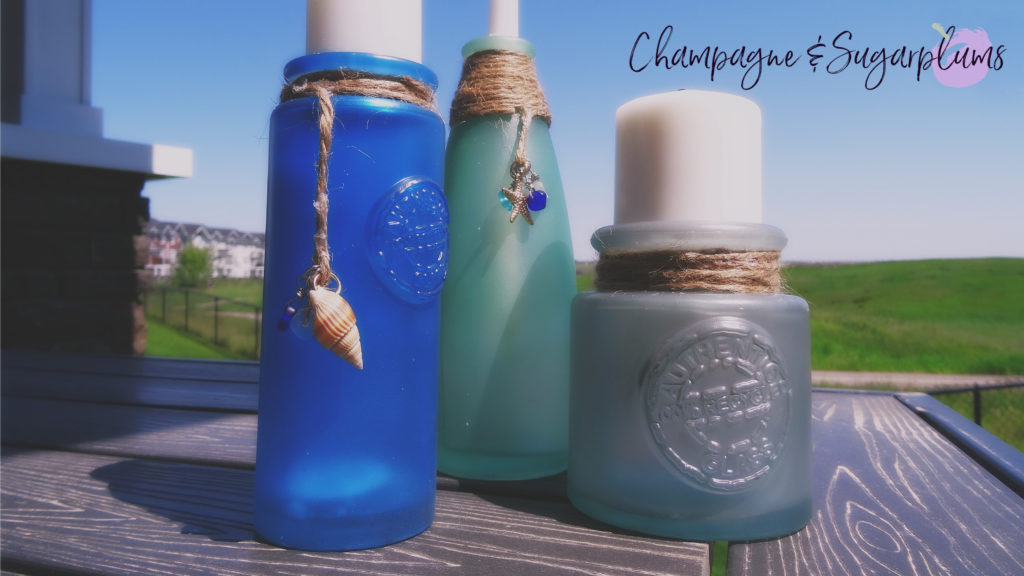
column 908, row 381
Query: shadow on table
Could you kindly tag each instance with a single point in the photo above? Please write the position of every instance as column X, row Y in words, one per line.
column 218, row 502
column 545, row 497
column 207, row 501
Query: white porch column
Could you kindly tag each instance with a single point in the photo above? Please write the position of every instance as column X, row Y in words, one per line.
column 58, row 58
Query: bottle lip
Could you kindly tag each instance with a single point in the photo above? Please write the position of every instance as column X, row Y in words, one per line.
column 510, row 43
column 688, row 235
column 372, row 63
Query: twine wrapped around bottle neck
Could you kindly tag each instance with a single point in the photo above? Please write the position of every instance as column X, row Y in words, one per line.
column 498, row 82
column 501, row 82
column 358, row 83
column 744, row 272
column 323, row 85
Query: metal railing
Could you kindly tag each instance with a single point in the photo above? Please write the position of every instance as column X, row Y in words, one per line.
column 225, row 322
column 976, row 394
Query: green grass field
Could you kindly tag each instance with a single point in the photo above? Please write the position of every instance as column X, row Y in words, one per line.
column 241, row 289
column 214, row 314
column 584, row 282
column 163, row 340
column 939, row 316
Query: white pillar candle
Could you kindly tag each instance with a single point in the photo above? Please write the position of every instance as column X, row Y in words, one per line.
column 686, row 156
column 504, row 18
column 382, row 27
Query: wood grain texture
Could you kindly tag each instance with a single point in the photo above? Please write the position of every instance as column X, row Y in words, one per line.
column 184, row 435
column 170, row 390
column 107, row 515
column 144, row 466
column 191, row 436
column 892, row 496
column 209, row 370
column 1004, row 461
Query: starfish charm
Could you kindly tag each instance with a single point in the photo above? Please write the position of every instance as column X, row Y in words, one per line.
column 518, row 199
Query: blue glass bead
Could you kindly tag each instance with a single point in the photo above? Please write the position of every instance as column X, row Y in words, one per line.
column 286, row 317
column 537, row 201
column 505, row 202
column 302, row 326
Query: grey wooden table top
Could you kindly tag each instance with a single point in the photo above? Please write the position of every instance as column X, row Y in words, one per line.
column 138, row 465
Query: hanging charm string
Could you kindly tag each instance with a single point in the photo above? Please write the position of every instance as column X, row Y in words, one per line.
column 323, row 85
column 320, row 273
column 334, row 322
column 496, row 82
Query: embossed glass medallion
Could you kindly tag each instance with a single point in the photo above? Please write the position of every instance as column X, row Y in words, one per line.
column 410, row 240
column 718, row 402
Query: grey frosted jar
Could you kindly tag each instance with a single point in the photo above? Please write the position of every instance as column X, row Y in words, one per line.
column 690, row 412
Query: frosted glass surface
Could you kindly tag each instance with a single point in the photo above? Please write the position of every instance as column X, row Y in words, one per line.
column 690, row 413
column 346, row 457
column 505, row 312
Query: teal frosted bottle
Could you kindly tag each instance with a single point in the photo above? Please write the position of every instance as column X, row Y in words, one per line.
column 504, row 372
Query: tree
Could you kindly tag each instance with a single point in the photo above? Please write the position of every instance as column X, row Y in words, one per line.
column 195, row 266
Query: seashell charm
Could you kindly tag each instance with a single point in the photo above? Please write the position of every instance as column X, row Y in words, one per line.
column 334, row 325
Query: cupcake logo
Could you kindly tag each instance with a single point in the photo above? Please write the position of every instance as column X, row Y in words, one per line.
column 962, row 57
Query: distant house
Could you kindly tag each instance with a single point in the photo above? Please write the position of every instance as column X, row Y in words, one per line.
column 235, row 254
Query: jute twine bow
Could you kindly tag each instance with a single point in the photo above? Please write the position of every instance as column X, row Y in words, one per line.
column 502, row 82
column 323, row 85
column 753, row 272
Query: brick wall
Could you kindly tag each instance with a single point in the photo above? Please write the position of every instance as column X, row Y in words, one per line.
column 71, row 258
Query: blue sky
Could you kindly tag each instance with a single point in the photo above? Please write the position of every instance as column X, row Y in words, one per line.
column 911, row 169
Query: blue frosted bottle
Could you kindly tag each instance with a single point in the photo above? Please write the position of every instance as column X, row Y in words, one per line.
column 346, row 458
